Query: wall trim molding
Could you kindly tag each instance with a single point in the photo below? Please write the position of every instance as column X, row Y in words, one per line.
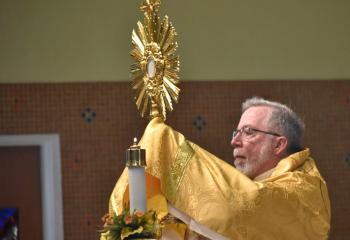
column 51, row 184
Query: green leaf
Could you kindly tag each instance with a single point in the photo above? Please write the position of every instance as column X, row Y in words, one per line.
column 126, row 232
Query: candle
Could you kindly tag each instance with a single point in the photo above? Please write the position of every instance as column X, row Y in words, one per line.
column 135, row 161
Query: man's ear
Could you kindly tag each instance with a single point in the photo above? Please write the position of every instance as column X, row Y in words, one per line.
column 281, row 146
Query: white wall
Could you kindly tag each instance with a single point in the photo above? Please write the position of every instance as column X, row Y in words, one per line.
column 89, row 40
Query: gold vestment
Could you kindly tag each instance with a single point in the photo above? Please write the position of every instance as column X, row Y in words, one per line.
column 292, row 203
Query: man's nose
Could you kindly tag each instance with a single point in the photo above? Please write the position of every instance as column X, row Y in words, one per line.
column 236, row 141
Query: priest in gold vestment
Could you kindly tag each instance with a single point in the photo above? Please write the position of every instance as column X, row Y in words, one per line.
column 275, row 190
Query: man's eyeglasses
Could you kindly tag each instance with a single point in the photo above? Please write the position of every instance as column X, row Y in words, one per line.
column 248, row 131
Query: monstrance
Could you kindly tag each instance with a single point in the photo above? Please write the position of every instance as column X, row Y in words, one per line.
column 155, row 72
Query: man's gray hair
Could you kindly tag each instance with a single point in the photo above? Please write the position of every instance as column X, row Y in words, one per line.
column 284, row 119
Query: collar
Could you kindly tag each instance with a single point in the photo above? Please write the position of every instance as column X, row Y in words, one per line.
column 291, row 162
column 264, row 175
column 286, row 164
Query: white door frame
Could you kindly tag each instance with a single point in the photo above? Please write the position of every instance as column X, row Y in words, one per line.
column 51, row 186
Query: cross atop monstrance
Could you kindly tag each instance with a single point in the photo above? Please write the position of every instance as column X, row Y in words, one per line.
column 155, row 72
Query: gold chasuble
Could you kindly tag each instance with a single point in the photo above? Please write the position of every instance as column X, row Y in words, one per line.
column 292, row 203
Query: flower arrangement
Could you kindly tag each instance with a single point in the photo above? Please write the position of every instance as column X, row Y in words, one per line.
column 138, row 225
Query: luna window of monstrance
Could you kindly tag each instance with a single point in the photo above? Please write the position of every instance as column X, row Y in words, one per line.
column 156, row 69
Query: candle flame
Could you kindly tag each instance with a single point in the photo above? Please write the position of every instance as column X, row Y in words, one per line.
column 135, row 140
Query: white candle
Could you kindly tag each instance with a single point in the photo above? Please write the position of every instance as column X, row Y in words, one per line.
column 137, row 189
column 136, row 162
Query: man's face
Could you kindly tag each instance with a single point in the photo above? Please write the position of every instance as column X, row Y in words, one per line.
column 254, row 153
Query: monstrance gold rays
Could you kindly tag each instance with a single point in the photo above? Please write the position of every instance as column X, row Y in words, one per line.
column 155, row 72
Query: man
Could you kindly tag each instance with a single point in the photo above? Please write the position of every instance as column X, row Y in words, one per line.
column 275, row 191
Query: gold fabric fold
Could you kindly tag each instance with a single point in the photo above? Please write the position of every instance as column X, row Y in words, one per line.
column 292, row 203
